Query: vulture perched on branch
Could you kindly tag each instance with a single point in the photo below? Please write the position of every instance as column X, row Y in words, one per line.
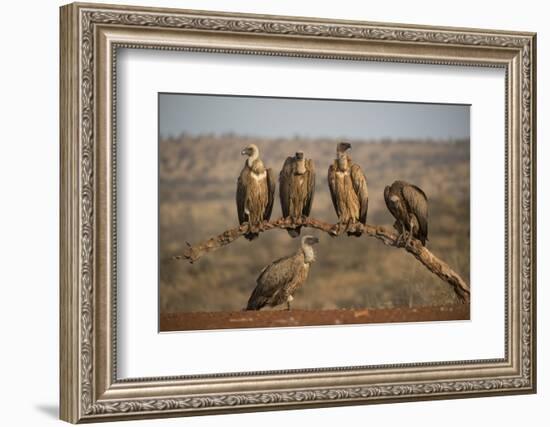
column 296, row 188
column 255, row 192
column 409, row 205
column 280, row 279
column 348, row 188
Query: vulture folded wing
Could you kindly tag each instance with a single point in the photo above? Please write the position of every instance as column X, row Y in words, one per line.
column 241, row 196
column 270, row 281
column 418, row 204
column 332, row 186
column 271, row 193
column 360, row 187
column 284, row 186
column 310, row 172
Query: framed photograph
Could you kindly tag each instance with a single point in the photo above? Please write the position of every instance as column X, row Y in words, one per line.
column 265, row 212
column 317, row 278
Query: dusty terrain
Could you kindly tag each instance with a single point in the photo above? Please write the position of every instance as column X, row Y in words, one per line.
column 277, row 318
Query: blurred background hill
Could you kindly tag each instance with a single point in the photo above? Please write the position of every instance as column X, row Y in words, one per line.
column 197, row 182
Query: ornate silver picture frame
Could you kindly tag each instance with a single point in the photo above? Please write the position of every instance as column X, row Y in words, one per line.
column 91, row 36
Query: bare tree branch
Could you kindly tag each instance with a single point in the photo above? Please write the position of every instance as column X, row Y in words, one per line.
column 420, row 252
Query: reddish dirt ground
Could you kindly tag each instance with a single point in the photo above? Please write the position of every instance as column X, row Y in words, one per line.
column 280, row 318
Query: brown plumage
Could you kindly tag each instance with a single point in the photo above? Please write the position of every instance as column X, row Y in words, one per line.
column 296, row 188
column 255, row 192
column 409, row 205
column 278, row 281
column 348, row 188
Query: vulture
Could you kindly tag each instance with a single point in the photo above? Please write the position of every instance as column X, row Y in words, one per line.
column 255, row 192
column 280, row 279
column 296, row 188
column 348, row 188
column 409, row 205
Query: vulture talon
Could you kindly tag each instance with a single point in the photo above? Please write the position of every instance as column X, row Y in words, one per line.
column 406, row 239
column 334, row 230
column 401, row 240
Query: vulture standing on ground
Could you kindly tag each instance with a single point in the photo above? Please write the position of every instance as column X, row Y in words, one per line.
column 296, row 188
column 280, row 279
column 348, row 188
column 255, row 192
column 409, row 205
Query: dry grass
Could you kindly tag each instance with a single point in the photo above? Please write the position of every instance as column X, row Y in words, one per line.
column 197, row 200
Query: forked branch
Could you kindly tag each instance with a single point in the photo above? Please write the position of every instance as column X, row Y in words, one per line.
column 420, row 252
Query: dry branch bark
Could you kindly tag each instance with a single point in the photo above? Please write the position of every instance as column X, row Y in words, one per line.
column 388, row 237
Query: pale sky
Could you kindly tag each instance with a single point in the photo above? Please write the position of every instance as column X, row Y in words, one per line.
column 310, row 118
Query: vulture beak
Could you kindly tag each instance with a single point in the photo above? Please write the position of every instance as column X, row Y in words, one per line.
column 245, row 151
column 299, row 155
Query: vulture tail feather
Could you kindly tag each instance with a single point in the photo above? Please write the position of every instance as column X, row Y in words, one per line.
column 294, row 232
column 251, row 236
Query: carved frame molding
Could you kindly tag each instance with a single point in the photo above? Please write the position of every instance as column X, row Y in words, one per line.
column 90, row 36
